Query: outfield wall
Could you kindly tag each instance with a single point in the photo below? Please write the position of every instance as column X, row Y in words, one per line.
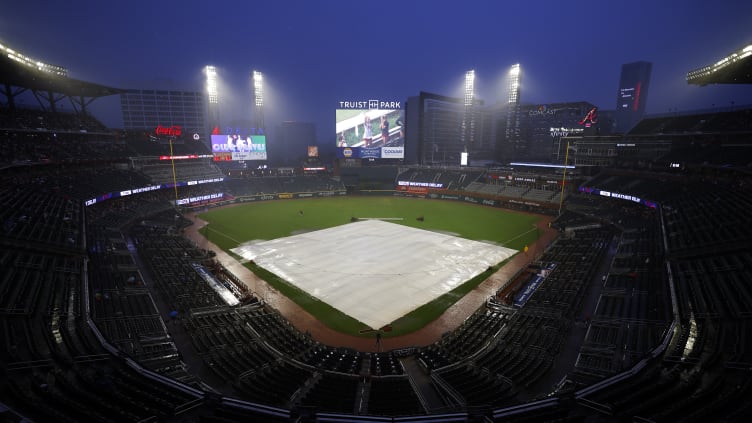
column 474, row 198
column 269, row 197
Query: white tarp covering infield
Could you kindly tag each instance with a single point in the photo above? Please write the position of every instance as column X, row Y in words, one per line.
column 372, row 270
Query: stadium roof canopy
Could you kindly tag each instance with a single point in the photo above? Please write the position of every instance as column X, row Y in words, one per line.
column 736, row 68
column 48, row 87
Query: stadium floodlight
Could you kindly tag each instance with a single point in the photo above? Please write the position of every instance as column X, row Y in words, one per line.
column 258, row 99
column 705, row 74
column 258, row 88
column 747, row 51
column 468, row 118
column 469, row 87
column 211, row 84
column 514, row 84
column 36, row 64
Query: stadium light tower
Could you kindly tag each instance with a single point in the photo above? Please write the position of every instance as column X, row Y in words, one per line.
column 213, row 95
column 468, row 118
column 211, row 84
column 514, row 84
column 512, row 131
column 258, row 88
column 469, row 87
column 258, row 101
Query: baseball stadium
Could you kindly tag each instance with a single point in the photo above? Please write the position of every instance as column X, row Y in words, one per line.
column 166, row 275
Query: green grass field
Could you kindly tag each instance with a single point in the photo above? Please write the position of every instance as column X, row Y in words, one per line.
column 232, row 226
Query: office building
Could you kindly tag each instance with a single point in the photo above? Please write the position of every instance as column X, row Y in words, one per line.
column 148, row 109
column 633, row 95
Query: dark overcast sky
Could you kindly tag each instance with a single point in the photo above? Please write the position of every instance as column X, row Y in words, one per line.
column 317, row 52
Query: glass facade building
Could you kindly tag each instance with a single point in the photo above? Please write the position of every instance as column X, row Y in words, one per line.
column 147, row 109
column 633, row 95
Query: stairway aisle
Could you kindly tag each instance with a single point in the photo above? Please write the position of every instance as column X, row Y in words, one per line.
column 422, row 382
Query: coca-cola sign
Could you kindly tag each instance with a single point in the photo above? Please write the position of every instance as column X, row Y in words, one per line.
column 169, row 131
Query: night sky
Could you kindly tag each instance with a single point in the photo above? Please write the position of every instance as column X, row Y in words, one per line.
column 315, row 53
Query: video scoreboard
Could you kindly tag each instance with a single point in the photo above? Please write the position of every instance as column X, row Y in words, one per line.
column 370, row 129
column 236, row 147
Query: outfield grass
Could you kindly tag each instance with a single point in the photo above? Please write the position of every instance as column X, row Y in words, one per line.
column 232, row 226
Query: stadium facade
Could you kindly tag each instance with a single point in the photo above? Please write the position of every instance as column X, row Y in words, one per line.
column 441, row 128
column 543, row 125
column 291, row 143
column 668, row 141
column 146, row 109
column 435, row 125
column 633, row 94
column 437, row 131
column 652, row 275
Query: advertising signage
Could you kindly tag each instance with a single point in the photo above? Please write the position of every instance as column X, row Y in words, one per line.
column 367, row 130
column 617, row 195
column 140, row 190
column 238, row 147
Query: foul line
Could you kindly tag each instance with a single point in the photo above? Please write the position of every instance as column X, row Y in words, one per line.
column 209, row 228
column 521, row 235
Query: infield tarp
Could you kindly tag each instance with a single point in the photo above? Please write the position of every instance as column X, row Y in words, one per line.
column 372, row 270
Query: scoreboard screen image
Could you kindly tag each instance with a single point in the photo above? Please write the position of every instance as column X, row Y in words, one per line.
column 238, row 147
column 370, row 134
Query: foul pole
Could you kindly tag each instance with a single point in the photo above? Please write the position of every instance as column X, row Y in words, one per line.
column 564, row 178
